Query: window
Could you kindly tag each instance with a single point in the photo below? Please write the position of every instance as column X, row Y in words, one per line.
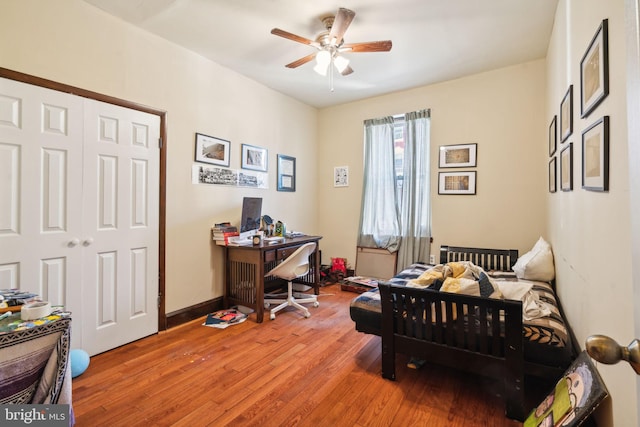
column 395, row 212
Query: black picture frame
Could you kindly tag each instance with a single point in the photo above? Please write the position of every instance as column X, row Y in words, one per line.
column 594, row 71
column 458, row 156
column 566, row 168
column 553, row 135
column 286, row 173
column 566, row 115
column 212, row 150
column 595, row 156
column 585, row 391
column 461, row 183
column 254, row 158
column 552, row 175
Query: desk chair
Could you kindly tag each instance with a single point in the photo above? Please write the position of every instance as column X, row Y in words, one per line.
column 296, row 265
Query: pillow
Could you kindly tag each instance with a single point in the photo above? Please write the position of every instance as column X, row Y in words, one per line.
column 537, row 264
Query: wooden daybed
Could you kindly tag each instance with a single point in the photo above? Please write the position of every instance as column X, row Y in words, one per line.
column 486, row 336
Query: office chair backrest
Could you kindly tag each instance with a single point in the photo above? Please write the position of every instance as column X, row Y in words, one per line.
column 296, row 265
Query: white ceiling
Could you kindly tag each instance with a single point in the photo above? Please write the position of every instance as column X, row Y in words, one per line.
column 433, row 40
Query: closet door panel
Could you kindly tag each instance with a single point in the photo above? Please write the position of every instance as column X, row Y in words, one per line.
column 121, row 221
column 41, row 133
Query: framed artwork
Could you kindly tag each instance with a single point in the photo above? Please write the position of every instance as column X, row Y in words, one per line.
column 594, row 71
column 575, row 396
column 286, row 173
column 254, row 158
column 566, row 168
column 553, row 135
column 458, row 156
column 552, row 175
column 566, row 115
column 595, row 156
column 341, row 176
column 212, row 150
column 457, row 182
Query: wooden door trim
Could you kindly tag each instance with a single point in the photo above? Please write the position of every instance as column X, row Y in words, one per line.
column 61, row 87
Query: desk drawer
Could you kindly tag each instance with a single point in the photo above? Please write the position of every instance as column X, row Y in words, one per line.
column 270, row 256
column 285, row 252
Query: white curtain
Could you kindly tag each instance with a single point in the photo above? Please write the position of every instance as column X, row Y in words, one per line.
column 379, row 215
column 415, row 210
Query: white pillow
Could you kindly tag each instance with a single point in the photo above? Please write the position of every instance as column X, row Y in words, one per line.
column 537, row 264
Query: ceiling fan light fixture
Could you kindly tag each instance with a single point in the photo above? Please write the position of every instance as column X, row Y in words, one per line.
column 323, row 59
column 341, row 63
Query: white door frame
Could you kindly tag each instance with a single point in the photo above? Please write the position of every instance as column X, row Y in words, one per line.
column 49, row 84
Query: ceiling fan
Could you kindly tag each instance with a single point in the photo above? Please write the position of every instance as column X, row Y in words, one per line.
column 330, row 44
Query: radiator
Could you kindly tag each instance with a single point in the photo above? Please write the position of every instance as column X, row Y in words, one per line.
column 375, row 263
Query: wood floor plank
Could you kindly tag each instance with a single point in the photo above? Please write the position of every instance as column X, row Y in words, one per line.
column 290, row 371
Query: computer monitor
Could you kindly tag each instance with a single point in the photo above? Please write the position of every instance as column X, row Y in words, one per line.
column 251, row 214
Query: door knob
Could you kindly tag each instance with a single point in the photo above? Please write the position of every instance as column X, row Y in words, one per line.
column 88, row 241
column 73, row 242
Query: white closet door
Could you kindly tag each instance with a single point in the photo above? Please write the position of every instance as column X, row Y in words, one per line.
column 79, row 203
column 41, row 193
column 121, row 204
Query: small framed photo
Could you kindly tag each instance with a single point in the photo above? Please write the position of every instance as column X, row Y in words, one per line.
column 566, row 115
column 254, row 158
column 341, row 176
column 594, row 71
column 553, row 135
column 457, row 182
column 552, row 175
column 212, row 150
column 286, row 173
column 578, row 392
column 595, row 156
column 566, row 168
column 458, row 156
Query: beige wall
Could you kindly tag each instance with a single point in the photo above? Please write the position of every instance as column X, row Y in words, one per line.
column 503, row 111
column 589, row 231
column 71, row 42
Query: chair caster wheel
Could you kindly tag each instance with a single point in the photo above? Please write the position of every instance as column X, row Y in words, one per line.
column 316, row 304
column 272, row 316
column 307, row 315
column 267, row 305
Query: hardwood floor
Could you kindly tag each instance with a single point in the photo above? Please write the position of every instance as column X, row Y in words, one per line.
column 289, row 371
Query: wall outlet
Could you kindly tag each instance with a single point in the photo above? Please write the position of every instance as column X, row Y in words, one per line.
column 432, row 259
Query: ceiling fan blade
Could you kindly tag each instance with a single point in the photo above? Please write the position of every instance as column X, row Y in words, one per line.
column 347, row 71
column 340, row 24
column 379, row 46
column 301, row 61
column 290, row 36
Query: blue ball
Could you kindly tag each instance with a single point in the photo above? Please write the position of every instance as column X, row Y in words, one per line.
column 79, row 362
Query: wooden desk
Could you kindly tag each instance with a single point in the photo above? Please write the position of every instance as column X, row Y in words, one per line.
column 246, row 266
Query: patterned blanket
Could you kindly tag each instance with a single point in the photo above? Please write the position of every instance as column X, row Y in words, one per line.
column 34, row 365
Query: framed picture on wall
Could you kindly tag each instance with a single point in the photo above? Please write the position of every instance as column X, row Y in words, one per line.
column 254, row 158
column 566, row 168
column 553, row 135
column 595, row 156
column 552, row 175
column 212, row 150
column 457, row 182
column 286, row 173
column 594, row 71
column 458, row 156
column 341, row 176
column 566, row 115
